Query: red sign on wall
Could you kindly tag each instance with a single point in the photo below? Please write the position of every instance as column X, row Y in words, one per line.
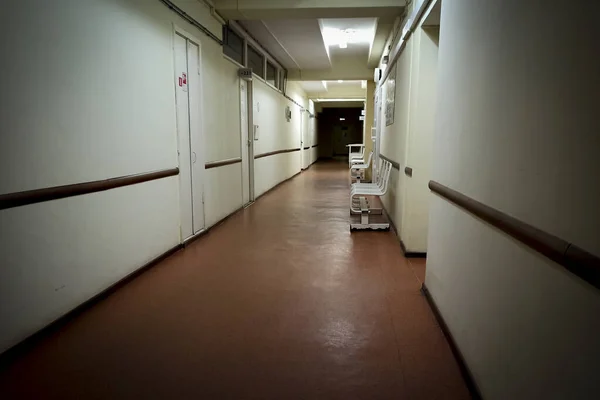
column 183, row 81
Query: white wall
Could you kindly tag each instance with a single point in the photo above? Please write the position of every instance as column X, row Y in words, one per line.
column 223, row 185
column 276, row 133
column 517, row 129
column 81, row 98
column 408, row 140
column 56, row 255
column 419, row 143
column 88, row 93
column 394, row 137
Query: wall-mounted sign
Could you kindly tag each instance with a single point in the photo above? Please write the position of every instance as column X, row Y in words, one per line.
column 390, row 96
column 182, row 81
column 288, row 113
column 245, row 73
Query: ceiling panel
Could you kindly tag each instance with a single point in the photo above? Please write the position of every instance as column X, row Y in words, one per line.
column 360, row 36
column 313, row 86
column 259, row 32
column 303, row 41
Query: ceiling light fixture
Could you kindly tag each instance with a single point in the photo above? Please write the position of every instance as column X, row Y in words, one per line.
column 342, row 119
column 344, row 37
column 340, row 81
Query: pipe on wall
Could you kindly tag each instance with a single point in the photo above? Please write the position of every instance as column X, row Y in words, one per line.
column 191, row 20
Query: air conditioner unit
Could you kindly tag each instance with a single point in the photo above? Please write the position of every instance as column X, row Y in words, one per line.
column 377, row 75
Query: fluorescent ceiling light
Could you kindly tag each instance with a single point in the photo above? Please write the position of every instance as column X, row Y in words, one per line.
column 340, row 81
column 342, row 119
column 344, row 37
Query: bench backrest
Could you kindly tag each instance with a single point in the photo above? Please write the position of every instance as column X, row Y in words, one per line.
column 369, row 159
column 385, row 176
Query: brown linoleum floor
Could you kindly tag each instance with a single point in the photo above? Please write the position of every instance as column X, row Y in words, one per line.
column 281, row 301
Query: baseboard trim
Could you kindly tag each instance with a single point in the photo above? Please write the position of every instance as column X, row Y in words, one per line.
column 407, row 254
column 279, row 184
column 415, row 254
column 462, row 365
column 195, row 237
column 24, row 346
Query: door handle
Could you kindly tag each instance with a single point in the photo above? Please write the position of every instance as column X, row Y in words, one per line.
column 194, row 160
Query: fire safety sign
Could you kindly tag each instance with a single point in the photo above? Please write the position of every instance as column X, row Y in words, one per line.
column 183, row 81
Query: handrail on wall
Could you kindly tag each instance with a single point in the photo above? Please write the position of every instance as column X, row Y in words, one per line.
column 573, row 258
column 18, row 199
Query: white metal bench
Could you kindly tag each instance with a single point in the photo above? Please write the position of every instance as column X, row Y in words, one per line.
column 358, row 167
column 359, row 205
column 355, row 155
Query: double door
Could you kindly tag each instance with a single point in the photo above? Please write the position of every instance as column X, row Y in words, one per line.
column 189, row 135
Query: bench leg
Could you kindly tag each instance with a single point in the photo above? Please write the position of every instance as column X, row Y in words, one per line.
column 364, row 211
column 364, row 217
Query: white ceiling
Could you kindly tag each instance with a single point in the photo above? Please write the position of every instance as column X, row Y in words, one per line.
column 292, row 31
column 295, row 9
column 300, row 44
column 333, row 89
column 313, row 86
column 365, row 27
column 302, row 39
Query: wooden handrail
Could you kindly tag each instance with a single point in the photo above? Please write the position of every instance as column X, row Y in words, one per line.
column 221, row 163
column 272, row 153
column 18, row 199
column 395, row 165
column 578, row 261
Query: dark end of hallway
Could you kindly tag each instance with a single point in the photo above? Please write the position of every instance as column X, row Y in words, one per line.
column 279, row 301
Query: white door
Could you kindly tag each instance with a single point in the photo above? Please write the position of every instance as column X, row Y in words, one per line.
column 189, row 135
column 246, row 145
column 302, row 155
column 244, row 141
column 305, row 140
